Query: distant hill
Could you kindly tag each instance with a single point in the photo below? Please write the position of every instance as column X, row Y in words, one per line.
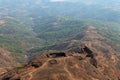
column 27, row 25
column 70, row 39
column 67, row 31
column 16, row 37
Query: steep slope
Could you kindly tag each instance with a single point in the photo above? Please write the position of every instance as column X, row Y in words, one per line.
column 89, row 36
column 6, row 61
column 92, row 59
column 57, row 30
column 68, row 66
column 17, row 37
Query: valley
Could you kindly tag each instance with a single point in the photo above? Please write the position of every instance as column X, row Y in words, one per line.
column 59, row 40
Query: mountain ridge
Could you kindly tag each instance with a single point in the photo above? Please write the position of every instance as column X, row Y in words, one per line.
column 72, row 63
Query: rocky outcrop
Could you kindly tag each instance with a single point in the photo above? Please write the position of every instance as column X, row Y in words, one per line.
column 57, row 54
column 70, row 67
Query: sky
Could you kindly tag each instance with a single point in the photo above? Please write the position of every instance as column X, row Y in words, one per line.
column 57, row 0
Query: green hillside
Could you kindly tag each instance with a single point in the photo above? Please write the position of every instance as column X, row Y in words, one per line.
column 34, row 26
column 17, row 38
column 55, row 31
column 31, row 37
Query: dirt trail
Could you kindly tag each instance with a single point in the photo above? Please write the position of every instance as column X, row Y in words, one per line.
column 35, row 69
column 30, row 74
column 66, row 69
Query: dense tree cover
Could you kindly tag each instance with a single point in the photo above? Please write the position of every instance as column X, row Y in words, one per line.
column 56, row 29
